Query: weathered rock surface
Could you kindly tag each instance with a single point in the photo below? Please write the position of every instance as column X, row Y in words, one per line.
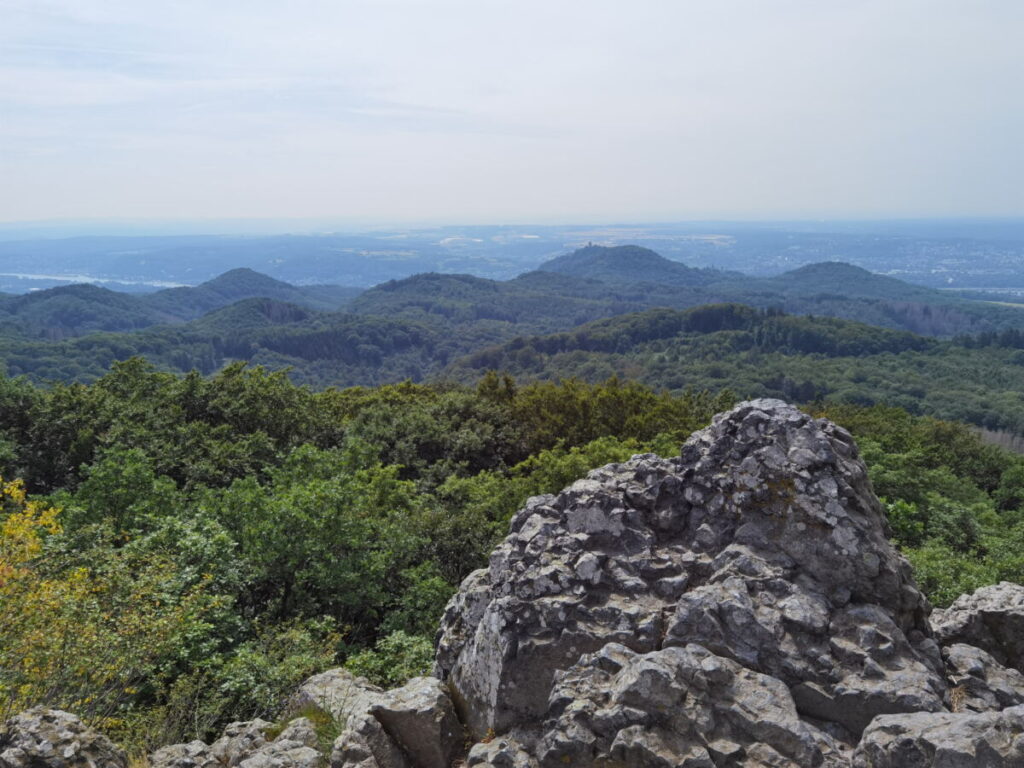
column 195, row 754
column 500, row 752
column 414, row 726
column 338, row 692
column 239, row 741
column 978, row 682
column 991, row 618
column 421, row 720
column 52, row 738
column 944, row 740
column 763, row 543
column 675, row 706
column 245, row 744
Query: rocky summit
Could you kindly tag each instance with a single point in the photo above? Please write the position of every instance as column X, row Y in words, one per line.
column 737, row 606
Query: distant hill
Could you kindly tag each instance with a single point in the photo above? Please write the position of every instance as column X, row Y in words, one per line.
column 840, row 279
column 251, row 314
column 570, row 290
column 528, row 301
column 77, row 310
column 238, row 284
column 629, row 263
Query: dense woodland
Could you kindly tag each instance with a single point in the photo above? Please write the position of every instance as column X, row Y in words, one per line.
column 179, row 551
column 976, row 379
column 417, row 327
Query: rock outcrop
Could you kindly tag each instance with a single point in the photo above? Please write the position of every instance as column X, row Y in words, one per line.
column 675, row 705
column 763, row 544
column 246, row 745
column 338, row 692
column 979, row 682
column 992, row 618
column 51, row 738
column 414, row 726
column 944, row 740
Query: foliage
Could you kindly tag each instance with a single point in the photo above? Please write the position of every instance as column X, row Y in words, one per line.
column 766, row 353
column 87, row 639
column 221, row 538
column 394, row 659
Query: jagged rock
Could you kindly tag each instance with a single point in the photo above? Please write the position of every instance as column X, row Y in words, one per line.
column 502, row 752
column 763, row 542
column 991, row 618
column 239, row 741
column 978, row 682
column 420, row 718
column 300, row 731
column 365, row 744
column 336, row 691
column 195, row 754
column 245, row 744
column 677, row 706
column 296, row 746
column 288, row 754
column 414, row 726
column 52, row 738
column 944, row 740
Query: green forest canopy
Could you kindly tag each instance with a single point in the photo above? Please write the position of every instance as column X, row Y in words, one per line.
column 264, row 531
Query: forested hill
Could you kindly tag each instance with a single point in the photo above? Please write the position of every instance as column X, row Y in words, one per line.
column 77, row 310
column 239, row 284
column 763, row 353
column 597, row 282
column 631, row 263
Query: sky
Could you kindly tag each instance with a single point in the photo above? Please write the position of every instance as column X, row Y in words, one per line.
column 487, row 111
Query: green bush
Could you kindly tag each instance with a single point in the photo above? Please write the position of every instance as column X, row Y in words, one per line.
column 394, row 659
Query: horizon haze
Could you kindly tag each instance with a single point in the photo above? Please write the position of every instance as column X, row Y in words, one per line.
column 461, row 112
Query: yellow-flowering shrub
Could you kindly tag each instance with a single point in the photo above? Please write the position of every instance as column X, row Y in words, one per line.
column 82, row 638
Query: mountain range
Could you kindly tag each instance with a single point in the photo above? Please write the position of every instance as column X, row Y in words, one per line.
column 652, row 318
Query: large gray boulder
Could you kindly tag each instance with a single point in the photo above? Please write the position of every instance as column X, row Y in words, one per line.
column 763, row 543
column 991, row 618
column 944, row 740
column 677, row 706
column 52, row 738
column 337, row 692
column 414, row 726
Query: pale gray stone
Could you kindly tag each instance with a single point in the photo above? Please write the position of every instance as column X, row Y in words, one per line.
column 421, row 720
column 337, row 692
column 239, row 741
column 365, row 744
column 194, row 754
column 52, row 738
column 763, row 542
column 944, row 740
column 677, row 706
column 991, row 618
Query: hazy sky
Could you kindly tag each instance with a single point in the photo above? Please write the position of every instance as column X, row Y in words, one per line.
column 492, row 111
